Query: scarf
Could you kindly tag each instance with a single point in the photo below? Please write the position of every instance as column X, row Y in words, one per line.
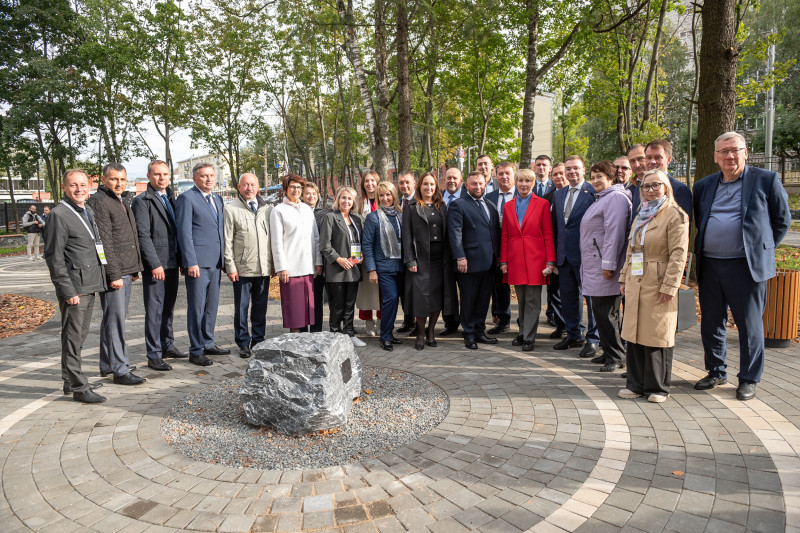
column 389, row 242
column 647, row 210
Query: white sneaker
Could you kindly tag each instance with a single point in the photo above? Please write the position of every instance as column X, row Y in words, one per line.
column 358, row 343
column 31, row 258
column 657, row 398
column 627, row 394
column 372, row 330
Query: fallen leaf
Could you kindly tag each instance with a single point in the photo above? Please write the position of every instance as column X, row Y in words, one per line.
column 677, row 473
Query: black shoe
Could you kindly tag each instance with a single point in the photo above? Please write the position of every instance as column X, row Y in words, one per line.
column 470, row 344
column 387, row 345
column 253, row 342
column 568, row 343
column 745, row 391
column 557, row 334
column 419, row 347
column 129, row 379
column 624, row 375
column 405, row 328
column 244, row 352
column 483, row 339
column 68, row 387
column 200, row 360
column 610, row 367
column 432, row 344
column 600, row 359
column 216, row 350
column 551, row 322
column 88, row 396
column 174, row 353
column 517, row 340
column 104, row 374
column 499, row 328
column 527, row 346
column 709, row 382
column 448, row 331
column 396, row 341
column 589, row 350
column 158, row 364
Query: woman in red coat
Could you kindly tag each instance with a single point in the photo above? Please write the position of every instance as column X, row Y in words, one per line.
column 527, row 254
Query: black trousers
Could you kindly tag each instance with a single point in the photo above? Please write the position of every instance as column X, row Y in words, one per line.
column 554, row 302
column 475, row 289
column 319, row 289
column 159, row 305
column 649, row 369
column 501, row 298
column 342, row 303
column 606, row 315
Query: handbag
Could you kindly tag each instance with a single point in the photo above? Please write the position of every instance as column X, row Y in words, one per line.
column 687, row 311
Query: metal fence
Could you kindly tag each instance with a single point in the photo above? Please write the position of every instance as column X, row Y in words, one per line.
column 7, row 212
column 787, row 167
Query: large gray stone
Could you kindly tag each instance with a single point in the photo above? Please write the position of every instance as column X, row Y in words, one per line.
column 301, row 382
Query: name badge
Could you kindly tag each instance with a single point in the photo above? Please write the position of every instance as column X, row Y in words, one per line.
column 637, row 264
column 100, row 253
column 355, row 251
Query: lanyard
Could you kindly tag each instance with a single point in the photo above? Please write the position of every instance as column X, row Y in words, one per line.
column 352, row 228
column 82, row 219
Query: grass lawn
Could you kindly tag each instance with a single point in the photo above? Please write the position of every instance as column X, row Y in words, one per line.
column 794, row 201
column 787, row 257
column 12, row 250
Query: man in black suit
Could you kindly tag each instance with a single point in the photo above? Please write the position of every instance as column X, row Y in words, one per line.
column 553, row 313
column 474, row 232
column 542, row 166
column 501, row 292
column 406, row 185
column 154, row 210
column 75, row 256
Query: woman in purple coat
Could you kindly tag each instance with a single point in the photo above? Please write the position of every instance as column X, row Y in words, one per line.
column 604, row 234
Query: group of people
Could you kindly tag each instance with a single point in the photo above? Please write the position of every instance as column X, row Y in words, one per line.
column 34, row 223
column 618, row 241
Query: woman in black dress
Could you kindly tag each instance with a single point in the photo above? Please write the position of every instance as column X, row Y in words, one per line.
column 426, row 256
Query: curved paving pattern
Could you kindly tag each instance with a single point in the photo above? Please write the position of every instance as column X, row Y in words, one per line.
column 533, row 442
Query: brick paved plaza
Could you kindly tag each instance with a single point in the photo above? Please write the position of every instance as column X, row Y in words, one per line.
column 533, row 441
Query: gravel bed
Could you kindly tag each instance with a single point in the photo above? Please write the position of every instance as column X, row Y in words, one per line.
column 395, row 408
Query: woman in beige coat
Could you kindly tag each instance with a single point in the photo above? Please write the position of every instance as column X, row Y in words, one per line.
column 650, row 279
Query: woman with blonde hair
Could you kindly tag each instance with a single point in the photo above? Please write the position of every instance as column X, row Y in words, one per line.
column 340, row 240
column 368, row 294
column 383, row 257
column 649, row 280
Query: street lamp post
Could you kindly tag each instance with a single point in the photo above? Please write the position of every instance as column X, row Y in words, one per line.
column 469, row 158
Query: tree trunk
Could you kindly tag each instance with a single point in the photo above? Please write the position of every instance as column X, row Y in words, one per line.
column 531, row 84
column 651, row 74
column 716, row 109
column 690, row 119
column 403, row 90
column 14, row 211
column 381, row 155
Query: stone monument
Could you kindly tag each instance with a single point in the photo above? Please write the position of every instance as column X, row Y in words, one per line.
column 301, row 382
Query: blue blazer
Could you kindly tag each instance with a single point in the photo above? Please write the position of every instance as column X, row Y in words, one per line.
column 548, row 186
column 200, row 231
column 681, row 193
column 471, row 235
column 568, row 241
column 371, row 243
column 765, row 217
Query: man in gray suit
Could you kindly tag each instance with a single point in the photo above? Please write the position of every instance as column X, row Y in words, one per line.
column 75, row 257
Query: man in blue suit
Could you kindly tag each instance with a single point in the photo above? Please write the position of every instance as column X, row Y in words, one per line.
column 501, row 292
column 200, row 236
column 542, row 166
column 742, row 214
column 569, row 205
column 473, row 227
column 658, row 155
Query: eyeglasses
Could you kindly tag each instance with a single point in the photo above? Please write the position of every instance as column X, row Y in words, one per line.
column 621, row 167
column 296, row 187
column 652, row 186
column 726, row 153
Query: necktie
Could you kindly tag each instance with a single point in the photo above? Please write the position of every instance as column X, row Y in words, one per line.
column 253, row 207
column 539, row 188
column 212, row 206
column 449, row 198
column 167, row 206
column 404, row 203
column 568, row 207
column 502, row 202
column 483, row 209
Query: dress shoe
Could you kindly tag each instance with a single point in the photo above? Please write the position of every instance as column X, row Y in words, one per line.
column 527, row 346
column 448, row 331
column 709, row 382
column 517, row 340
column 624, row 375
column 483, row 339
column 589, row 350
column 563, row 344
column 470, row 343
column 387, row 345
column 253, row 342
column 499, row 328
column 557, row 334
column 129, row 379
column 610, row 367
column 88, row 396
column 216, row 350
column 396, row 341
column 158, row 364
column 432, row 344
column 245, row 352
column 104, row 374
column 405, row 328
column 745, row 391
column 68, row 387
column 200, row 360
column 600, row 359
column 174, row 353
column 419, row 347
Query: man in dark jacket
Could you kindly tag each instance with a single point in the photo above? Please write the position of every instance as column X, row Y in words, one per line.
column 74, row 255
column 121, row 244
column 158, row 241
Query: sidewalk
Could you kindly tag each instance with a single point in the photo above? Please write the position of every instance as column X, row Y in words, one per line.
column 534, row 441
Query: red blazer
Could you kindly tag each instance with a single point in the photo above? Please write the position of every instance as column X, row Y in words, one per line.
column 527, row 249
